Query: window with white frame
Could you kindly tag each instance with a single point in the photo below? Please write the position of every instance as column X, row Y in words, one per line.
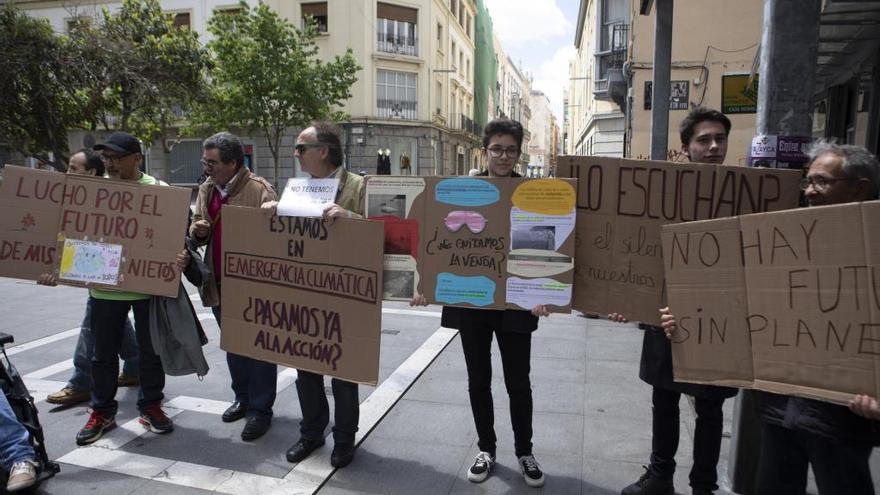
column 396, row 29
column 396, row 94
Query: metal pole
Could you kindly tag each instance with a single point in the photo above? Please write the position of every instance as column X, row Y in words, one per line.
column 789, row 43
column 661, row 75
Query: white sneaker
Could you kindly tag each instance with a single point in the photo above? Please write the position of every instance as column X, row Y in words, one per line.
column 479, row 470
column 22, row 475
column 531, row 471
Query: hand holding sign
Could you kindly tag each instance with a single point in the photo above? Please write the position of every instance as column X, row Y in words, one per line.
column 865, row 406
column 201, row 228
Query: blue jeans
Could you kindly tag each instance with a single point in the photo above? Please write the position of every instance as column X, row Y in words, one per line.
column 81, row 380
column 14, row 446
column 253, row 381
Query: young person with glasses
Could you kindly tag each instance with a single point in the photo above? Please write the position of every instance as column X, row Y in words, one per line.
column 502, row 144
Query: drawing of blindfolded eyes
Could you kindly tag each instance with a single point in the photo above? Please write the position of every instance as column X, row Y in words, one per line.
column 455, row 220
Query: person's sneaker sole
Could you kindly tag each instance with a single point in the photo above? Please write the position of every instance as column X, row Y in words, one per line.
column 146, row 424
column 97, row 437
column 534, row 483
column 478, row 478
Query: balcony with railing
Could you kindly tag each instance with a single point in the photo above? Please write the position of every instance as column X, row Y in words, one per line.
column 397, row 109
column 468, row 125
column 397, row 37
column 609, row 61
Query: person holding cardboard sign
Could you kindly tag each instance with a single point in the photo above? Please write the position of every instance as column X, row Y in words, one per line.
column 834, row 440
column 122, row 157
column 77, row 389
column 703, row 140
column 319, row 151
column 231, row 183
column 502, row 143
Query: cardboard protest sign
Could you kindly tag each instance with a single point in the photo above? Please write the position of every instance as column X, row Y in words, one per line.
column 786, row 302
column 477, row 242
column 29, row 210
column 117, row 234
column 303, row 293
column 136, row 228
column 623, row 203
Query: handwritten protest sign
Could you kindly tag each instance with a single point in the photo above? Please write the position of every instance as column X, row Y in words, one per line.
column 623, row 203
column 149, row 222
column 296, row 292
column 307, row 197
column 40, row 211
column 786, row 302
column 479, row 242
column 29, row 210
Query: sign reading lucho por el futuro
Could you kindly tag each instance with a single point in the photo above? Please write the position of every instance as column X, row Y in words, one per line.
column 623, row 203
column 786, row 302
column 296, row 293
column 106, row 233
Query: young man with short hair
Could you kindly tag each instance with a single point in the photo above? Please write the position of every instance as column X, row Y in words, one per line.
column 704, row 135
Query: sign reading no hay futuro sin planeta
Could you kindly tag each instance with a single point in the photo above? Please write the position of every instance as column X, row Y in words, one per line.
column 478, row 242
column 787, row 302
column 303, row 292
column 622, row 205
column 92, row 232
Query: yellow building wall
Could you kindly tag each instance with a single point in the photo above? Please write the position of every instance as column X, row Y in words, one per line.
column 719, row 34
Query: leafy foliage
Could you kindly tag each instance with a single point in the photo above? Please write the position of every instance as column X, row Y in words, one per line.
column 267, row 76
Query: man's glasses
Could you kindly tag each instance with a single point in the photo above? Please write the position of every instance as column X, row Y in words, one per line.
column 302, row 147
column 209, row 163
column 819, row 182
column 475, row 222
column 114, row 158
column 497, row 151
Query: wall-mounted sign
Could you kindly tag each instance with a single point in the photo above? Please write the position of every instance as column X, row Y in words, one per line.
column 737, row 95
column 679, row 92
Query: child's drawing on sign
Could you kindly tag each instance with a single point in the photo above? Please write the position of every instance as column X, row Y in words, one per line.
column 90, row 262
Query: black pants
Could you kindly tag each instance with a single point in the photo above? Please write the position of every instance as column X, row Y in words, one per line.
column 516, row 348
column 253, row 381
column 316, row 409
column 108, row 324
column 707, row 438
column 840, row 467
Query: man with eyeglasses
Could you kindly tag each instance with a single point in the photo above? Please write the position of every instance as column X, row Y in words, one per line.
column 835, row 440
column 319, row 151
column 77, row 389
column 121, row 153
column 229, row 182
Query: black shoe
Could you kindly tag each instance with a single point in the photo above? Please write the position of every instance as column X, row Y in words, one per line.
column 343, row 454
column 302, row 448
column 255, row 427
column 650, row 484
column 234, row 412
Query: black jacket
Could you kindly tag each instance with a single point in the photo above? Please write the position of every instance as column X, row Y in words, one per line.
column 655, row 368
column 831, row 421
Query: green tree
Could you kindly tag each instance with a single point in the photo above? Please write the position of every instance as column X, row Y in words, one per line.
column 267, row 76
column 154, row 73
column 38, row 108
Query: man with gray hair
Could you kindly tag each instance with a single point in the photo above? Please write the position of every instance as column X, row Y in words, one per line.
column 796, row 432
column 229, row 182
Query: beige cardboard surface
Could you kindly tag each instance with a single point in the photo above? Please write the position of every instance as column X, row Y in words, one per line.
column 295, row 292
column 804, row 307
column 30, row 202
column 522, row 255
column 148, row 221
column 622, row 205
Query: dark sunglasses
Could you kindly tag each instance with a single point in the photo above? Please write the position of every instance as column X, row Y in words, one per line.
column 302, row 147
